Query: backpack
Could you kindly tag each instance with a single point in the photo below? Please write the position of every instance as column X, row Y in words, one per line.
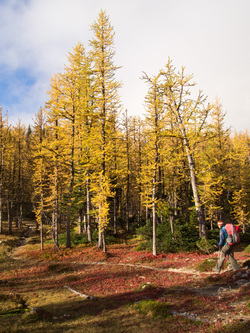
column 233, row 236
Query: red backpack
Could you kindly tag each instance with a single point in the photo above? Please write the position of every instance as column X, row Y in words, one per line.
column 233, row 236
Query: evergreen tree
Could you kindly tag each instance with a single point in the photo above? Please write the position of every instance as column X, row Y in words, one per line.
column 214, row 174
column 4, row 142
column 106, row 99
column 240, row 174
column 40, row 175
column 155, row 122
column 190, row 116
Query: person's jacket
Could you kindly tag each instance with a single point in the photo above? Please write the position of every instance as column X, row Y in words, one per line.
column 223, row 237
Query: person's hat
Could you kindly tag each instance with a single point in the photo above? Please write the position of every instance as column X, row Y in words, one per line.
column 220, row 222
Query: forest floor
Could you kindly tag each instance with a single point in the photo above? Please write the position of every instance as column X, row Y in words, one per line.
column 83, row 289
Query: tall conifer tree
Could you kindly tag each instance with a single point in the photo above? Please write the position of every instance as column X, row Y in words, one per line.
column 106, row 99
column 190, row 116
column 154, row 119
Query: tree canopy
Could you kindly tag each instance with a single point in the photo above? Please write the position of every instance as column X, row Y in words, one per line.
column 85, row 162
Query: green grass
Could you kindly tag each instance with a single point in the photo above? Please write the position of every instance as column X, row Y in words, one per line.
column 206, row 265
column 154, row 308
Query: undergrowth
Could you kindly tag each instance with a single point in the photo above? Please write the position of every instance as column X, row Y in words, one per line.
column 121, row 283
column 154, row 308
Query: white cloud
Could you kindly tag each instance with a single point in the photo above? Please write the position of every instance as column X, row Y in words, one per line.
column 209, row 38
column 38, row 34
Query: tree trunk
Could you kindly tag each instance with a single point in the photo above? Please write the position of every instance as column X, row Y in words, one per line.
column 154, row 216
column 139, row 185
column 41, row 231
column 9, row 207
column 1, row 191
column 88, row 217
column 55, row 224
column 56, row 208
column 115, row 212
column 101, row 240
column 72, row 176
column 198, row 206
column 154, row 191
column 128, row 172
column 68, row 240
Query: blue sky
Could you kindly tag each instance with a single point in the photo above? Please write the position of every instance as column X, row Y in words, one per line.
column 209, row 37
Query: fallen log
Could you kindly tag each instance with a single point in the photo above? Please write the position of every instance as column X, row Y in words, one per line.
column 79, row 294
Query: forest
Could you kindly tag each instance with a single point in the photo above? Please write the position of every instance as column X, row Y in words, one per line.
column 85, row 167
column 108, row 222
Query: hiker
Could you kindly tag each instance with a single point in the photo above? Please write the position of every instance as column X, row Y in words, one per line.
column 225, row 249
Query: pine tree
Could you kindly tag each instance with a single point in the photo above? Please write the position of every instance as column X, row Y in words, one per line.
column 190, row 116
column 40, row 174
column 72, row 88
column 214, row 165
column 137, row 157
column 4, row 141
column 240, row 174
column 55, row 151
column 10, row 178
column 106, row 99
column 86, row 139
column 21, row 170
column 155, row 122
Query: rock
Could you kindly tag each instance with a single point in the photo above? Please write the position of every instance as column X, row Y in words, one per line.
column 219, row 320
column 244, row 276
column 41, row 313
column 241, row 282
column 238, row 274
column 245, row 286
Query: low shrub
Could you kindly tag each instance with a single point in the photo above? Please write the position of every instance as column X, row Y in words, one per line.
column 245, row 238
column 78, row 239
column 206, row 246
column 143, row 246
column 154, row 308
column 183, row 238
column 75, row 238
column 4, row 251
column 12, row 304
column 247, row 249
column 206, row 265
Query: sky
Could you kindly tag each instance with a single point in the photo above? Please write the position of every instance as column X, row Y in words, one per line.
column 210, row 38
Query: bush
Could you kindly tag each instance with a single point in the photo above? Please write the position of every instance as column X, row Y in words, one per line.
column 154, row 308
column 206, row 265
column 4, row 251
column 245, row 238
column 78, row 239
column 247, row 249
column 143, row 246
column 183, row 239
column 110, row 239
column 206, row 246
